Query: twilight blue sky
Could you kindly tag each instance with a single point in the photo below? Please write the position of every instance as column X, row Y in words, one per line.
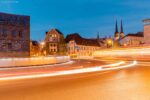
column 86, row 17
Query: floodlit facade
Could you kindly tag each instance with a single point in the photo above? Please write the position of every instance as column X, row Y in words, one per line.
column 133, row 39
column 14, row 35
column 147, row 31
column 78, row 46
column 55, row 43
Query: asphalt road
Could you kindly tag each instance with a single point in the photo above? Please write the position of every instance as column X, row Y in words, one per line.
column 125, row 84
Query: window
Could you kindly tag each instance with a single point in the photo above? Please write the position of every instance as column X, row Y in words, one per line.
column 14, row 33
column 54, row 45
column 9, row 46
column 4, row 33
column 20, row 33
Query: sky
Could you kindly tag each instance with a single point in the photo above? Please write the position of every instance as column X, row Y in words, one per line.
column 87, row 17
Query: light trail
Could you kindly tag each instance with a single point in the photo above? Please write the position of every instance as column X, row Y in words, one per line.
column 71, row 72
column 123, row 52
column 40, row 66
column 32, row 61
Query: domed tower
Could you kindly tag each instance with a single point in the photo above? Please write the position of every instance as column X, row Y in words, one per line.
column 121, row 31
column 116, row 35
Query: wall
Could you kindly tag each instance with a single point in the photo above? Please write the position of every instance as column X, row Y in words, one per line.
column 147, row 34
column 19, row 62
column 14, row 34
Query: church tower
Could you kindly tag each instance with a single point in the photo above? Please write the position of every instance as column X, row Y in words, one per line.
column 98, row 36
column 121, row 31
column 116, row 35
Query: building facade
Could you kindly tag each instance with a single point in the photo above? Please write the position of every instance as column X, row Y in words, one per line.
column 135, row 39
column 147, row 31
column 78, row 46
column 34, row 48
column 55, row 43
column 14, row 35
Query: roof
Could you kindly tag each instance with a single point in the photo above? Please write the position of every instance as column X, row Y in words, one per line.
column 8, row 14
column 56, row 30
column 138, row 34
column 35, row 43
column 146, row 20
column 81, row 41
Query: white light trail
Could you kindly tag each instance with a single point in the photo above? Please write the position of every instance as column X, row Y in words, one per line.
column 123, row 52
column 71, row 72
column 40, row 66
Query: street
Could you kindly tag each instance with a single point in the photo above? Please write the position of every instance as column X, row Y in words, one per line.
column 125, row 84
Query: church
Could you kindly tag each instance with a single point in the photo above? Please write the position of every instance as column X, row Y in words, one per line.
column 138, row 38
column 129, row 40
column 118, row 35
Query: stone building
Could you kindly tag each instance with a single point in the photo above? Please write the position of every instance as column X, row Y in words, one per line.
column 55, row 43
column 134, row 39
column 14, row 35
column 147, row 31
column 78, row 46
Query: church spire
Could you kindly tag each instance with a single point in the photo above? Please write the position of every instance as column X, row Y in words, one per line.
column 121, row 30
column 98, row 36
column 116, row 31
column 116, row 35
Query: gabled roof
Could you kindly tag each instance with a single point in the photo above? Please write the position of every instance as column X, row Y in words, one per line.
column 81, row 41
column 146, row 20
column 56, row 30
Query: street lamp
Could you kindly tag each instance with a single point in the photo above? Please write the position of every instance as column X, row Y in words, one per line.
column 42, row 43
column 110, row 43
